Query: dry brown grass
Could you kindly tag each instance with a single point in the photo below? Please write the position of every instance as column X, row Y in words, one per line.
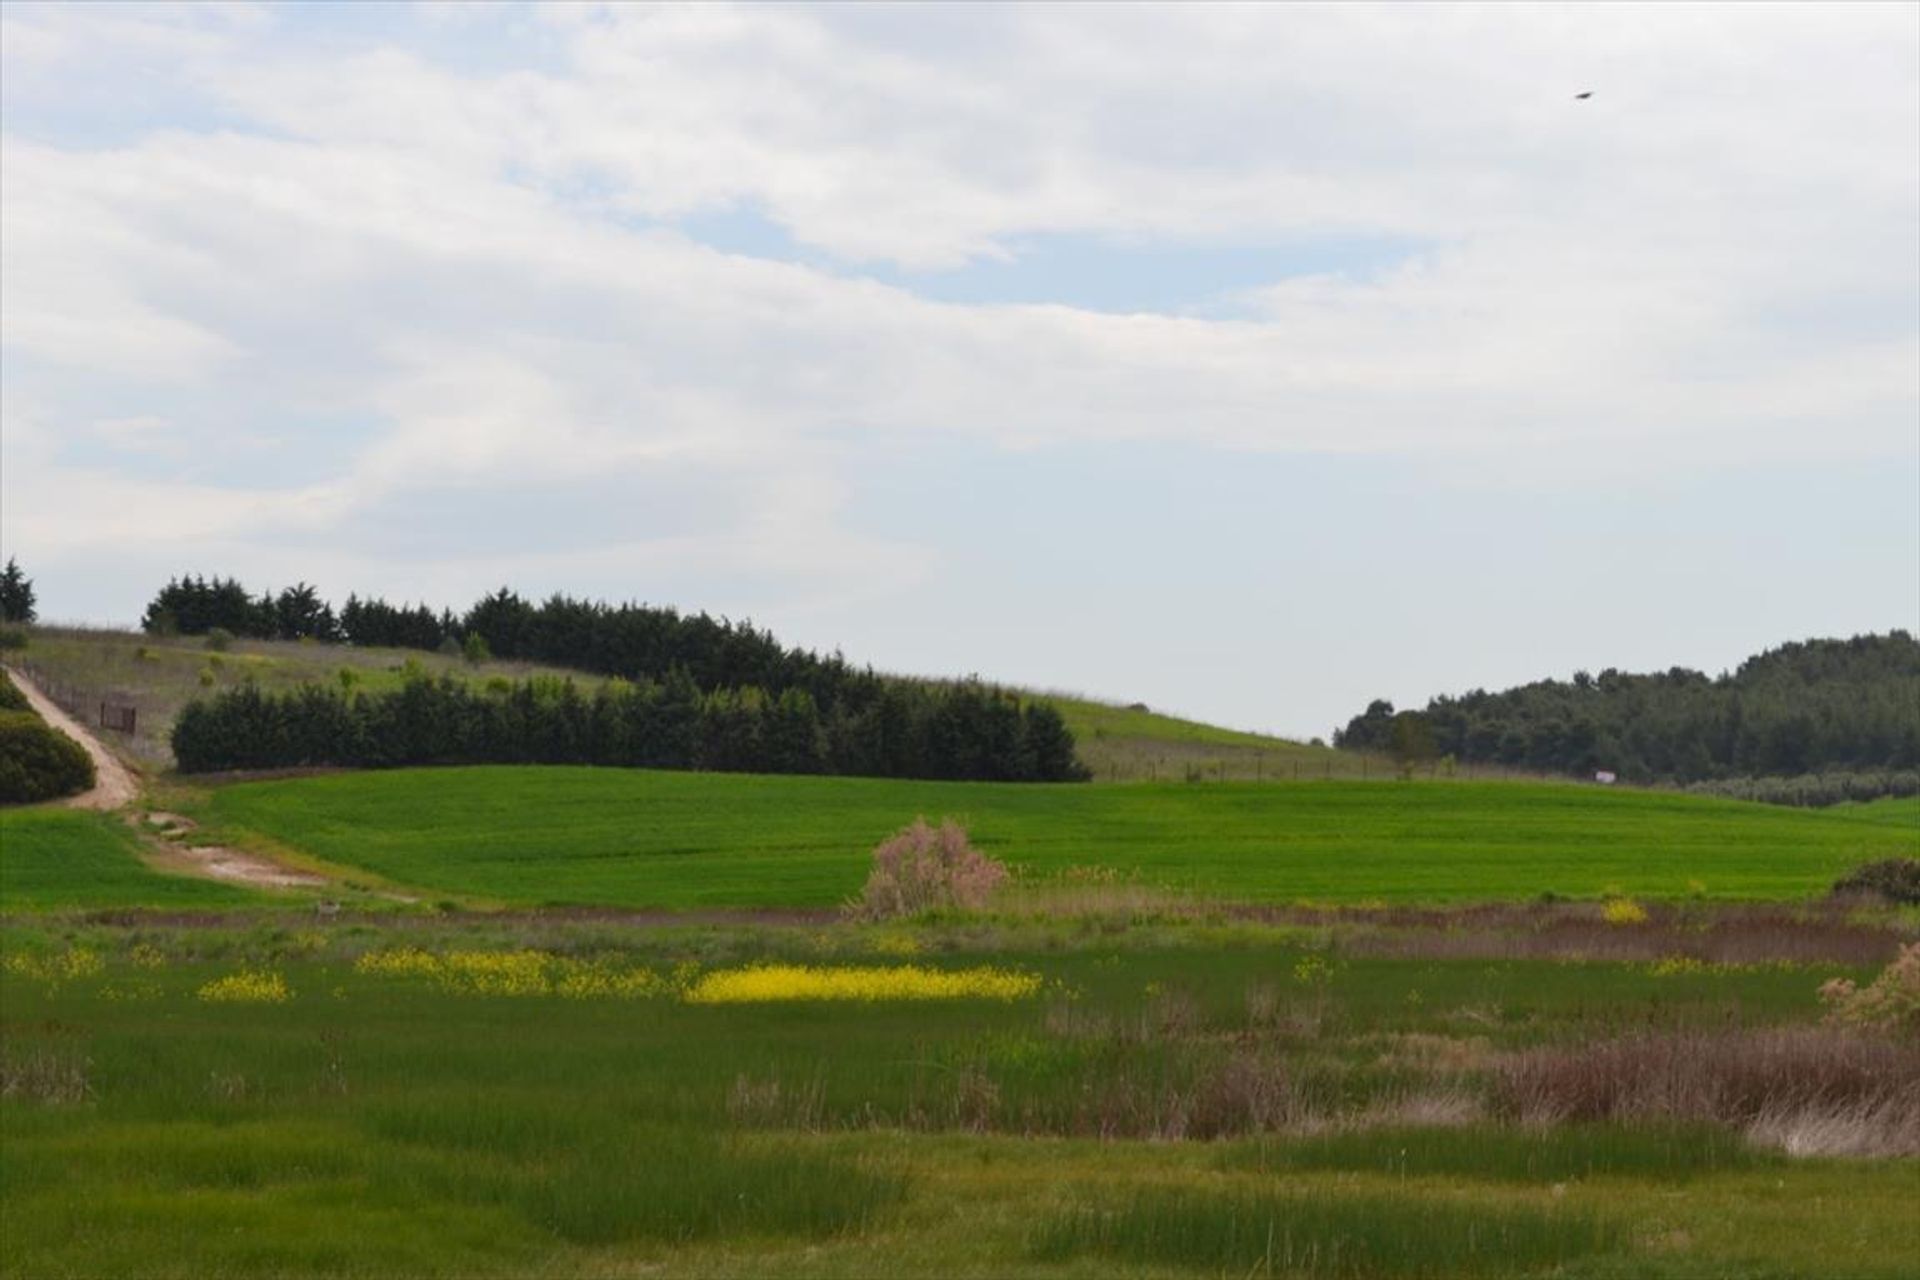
column 1783, row 1081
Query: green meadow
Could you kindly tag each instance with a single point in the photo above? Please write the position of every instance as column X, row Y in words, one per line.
column 537, row 836
column 399, row 1101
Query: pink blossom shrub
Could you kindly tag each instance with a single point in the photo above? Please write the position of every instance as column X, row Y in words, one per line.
column 1891, row 1002
column 921, row 868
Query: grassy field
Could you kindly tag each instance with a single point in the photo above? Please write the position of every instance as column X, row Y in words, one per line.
column 59, row 858
column 534, row 836
column 474, row 1099
column 1897, row 811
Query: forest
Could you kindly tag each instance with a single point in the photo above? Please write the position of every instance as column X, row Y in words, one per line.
column 1829, row 707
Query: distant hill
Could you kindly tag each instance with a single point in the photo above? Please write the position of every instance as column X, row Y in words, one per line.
column 1836, row 708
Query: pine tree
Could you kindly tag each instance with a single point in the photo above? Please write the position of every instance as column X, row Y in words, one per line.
column 16, row 594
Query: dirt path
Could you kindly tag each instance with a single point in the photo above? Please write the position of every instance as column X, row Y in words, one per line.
column 114, row 787
column 218, row 862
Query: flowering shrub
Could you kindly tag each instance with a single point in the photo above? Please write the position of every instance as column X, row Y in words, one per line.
column 1891, row 1002
column 769, row 982
column 919, row 868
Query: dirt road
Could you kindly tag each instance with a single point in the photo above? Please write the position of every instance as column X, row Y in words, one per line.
column 114, row 787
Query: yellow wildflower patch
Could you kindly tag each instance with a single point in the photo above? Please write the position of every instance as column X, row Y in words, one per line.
column 772, row 982
column 75, row 962
column 1623, row 911
column 513, row 973
column 251, row 986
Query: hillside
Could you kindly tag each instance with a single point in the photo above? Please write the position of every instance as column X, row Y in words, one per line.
column 1822, row 706
column 158, row 676
column 1132, row 743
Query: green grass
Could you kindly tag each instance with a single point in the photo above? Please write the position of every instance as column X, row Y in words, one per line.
column 55, row 858
column 1664, row 1152
column 1257, row 1233
column 677, row 840
column 1897, row 811
column 383, row 1126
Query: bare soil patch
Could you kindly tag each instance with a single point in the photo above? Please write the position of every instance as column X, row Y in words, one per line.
column 217, row 861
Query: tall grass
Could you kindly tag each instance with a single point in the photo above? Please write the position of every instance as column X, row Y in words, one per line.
column 1253, row 1233
column 1730, row 1077
column 1482, row 1152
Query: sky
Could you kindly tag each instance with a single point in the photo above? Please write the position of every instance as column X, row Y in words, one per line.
column 1249, row 361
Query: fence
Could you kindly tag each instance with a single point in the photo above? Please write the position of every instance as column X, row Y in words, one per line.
column 112, row 711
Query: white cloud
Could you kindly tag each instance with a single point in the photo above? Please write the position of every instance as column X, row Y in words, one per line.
column 374, row 272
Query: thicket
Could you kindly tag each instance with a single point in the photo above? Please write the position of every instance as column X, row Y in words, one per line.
column 764, row 707
column 37, row 761
column 1831, row 707
column 1817, row 790
column 1892, row 880
column 966, row 731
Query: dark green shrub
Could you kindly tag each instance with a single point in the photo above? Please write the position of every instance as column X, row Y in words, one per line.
column 11, row 699
column 1896, row 880
column 38, row 762
column 219, row 639
column 13, row 638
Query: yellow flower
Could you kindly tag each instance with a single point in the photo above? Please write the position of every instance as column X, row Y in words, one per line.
column 250, row 986
column 772, row 982
column 1623, row 911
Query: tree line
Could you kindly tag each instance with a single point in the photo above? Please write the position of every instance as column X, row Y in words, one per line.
column 1819, row 706
column 965, row 730
column 193, row 606
column 633, row 641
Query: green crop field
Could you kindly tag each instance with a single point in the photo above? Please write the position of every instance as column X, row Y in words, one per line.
column 52, row 858
column 535, row 836
column 1898, row 811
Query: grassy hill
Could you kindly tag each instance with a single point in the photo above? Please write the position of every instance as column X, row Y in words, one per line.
column 1132, row 743
column 159, row 676
column 635, row 838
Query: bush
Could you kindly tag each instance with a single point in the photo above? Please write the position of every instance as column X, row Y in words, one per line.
column 1895, row 880
column 38, row 762
column 13, row 637
column 11, row 699
column 219, row 639
column 919, row 869
column 1891, row 1002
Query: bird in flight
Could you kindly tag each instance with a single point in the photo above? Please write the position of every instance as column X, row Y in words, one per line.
column 1582, row 97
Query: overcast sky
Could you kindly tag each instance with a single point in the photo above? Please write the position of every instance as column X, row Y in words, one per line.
column 1249, row 361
